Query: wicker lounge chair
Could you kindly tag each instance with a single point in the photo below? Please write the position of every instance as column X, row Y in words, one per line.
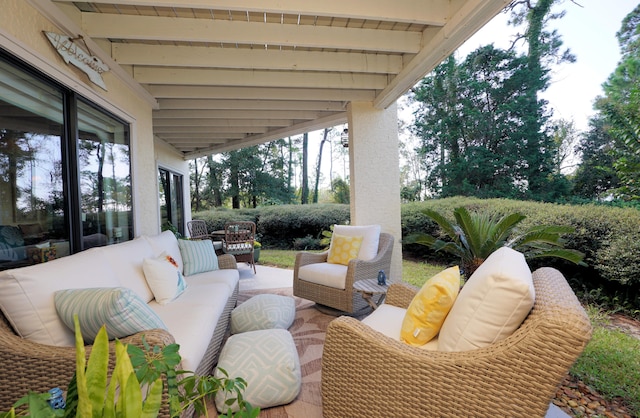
column 365, row 373
column 346, row 299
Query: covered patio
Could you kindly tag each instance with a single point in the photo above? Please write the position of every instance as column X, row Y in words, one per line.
column 197, row 77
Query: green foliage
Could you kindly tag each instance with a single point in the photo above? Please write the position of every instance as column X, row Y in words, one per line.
column 474, row 236
column 307, row 243
column 92, row 393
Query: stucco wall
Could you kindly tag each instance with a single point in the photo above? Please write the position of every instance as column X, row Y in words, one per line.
column 21, row 34
column 375, row 172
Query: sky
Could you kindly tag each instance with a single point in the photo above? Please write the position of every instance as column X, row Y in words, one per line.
column 588, row 29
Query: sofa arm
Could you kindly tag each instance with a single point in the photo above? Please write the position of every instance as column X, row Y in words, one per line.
column 227, row 261
column 29, row 366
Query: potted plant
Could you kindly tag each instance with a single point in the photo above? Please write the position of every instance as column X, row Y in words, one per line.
column 256, row 251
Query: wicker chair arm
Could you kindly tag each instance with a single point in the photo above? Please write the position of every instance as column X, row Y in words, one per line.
column 303, row 258
column 400, row 294
column 227, row 261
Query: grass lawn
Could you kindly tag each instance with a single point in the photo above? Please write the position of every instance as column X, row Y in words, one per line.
column 610, row 363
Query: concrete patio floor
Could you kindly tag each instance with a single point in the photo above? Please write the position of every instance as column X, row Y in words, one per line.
column 273, row 278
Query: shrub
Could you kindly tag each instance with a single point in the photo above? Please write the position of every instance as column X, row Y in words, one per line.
column 306, row 243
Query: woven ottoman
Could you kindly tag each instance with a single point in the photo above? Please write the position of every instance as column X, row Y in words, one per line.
column 268, row 361
column 264, row 311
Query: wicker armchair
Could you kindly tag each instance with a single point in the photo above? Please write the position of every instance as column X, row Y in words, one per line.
column 365, row 373
column 346, row 299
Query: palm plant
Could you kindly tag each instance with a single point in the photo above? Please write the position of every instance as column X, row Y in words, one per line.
column 474, row 236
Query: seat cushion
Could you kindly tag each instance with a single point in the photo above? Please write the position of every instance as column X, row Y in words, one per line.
column 492, row 304
column 119, row 309
column 326, row 274
column 192, row 318
column 268, row 361
column 370, row 238
column 387, row 319
column 265, row 311
column 430, row 307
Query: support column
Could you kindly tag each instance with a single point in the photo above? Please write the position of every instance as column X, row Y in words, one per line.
column 374, row 167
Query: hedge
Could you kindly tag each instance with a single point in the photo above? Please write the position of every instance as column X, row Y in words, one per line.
column 609, row 236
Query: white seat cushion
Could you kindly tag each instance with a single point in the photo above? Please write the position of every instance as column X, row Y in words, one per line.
column 229, row 277
column 192, row 318
column 327, row 274
column 268, row 361
column 387, row 319
column 370, row 238
column 492, row 304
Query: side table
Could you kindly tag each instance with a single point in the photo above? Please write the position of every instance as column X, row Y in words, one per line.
column 370, row 287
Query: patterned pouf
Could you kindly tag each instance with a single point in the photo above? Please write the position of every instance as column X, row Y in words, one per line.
column 268, row 361
column 264, row 311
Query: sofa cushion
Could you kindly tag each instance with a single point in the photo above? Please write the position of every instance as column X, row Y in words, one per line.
column 163, row 277
column 387, row 319
column 370, row 238
column 126, row 261
column 264, row 311
column 192, row 318
column 26, row 294
column 344, row 249
column 229, row 277
column 119, row 309
column 327, row 274
column 168, row 243
column 198, row 256
column 492, row 304
column 430, row 307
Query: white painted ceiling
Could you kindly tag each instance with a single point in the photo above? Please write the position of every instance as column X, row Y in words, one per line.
column 225, row 74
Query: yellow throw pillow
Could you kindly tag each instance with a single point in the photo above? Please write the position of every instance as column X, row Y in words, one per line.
column 343, row 249
column 430, row 307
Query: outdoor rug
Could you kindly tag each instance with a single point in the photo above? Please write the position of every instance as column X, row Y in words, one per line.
column 308, row 331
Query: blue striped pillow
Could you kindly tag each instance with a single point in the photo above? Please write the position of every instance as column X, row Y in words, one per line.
column 119, row 308
column 198, row 256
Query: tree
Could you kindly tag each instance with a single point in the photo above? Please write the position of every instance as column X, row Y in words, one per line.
column 595, row 177
column 319, row 165
column 304, row 198
column 621, row 107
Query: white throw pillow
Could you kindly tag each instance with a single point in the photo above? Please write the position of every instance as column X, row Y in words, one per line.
column 370, row 238
column 164, row 278
column 492, row 304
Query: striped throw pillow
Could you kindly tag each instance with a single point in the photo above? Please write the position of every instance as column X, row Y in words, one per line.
column 119, row 308
column 198, row 256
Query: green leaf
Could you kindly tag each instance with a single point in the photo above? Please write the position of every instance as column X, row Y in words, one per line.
column 153, row 401
column 96, row 374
